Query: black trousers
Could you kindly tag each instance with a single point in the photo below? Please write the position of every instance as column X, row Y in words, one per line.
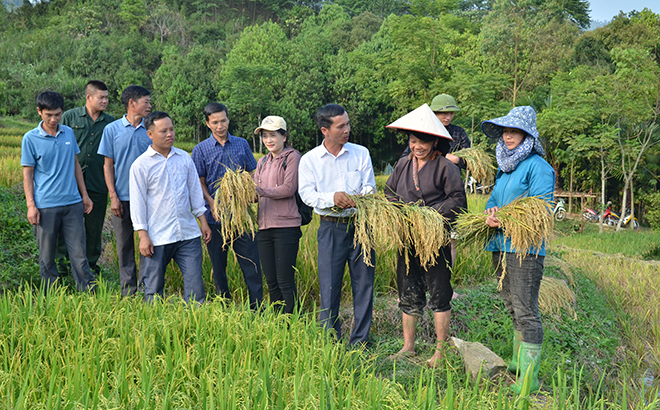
column 278, row 250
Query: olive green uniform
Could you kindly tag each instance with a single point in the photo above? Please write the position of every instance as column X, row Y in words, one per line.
column 88, row 134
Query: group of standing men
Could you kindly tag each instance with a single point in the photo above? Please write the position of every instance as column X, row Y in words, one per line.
column 71, row 166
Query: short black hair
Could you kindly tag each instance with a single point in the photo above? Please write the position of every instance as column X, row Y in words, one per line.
column 325, row 115
column 153, row 117
column 95, row 85
column 50, row 100
column 133, row 92
column 212, row 108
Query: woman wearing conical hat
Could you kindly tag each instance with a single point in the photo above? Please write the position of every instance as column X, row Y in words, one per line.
column 428, row 176
column 522, row 171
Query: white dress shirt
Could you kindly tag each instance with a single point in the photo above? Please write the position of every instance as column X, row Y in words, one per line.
column 166, row 196
column 321, row 174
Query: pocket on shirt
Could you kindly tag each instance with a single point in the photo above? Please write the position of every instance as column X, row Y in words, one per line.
column 353, row 182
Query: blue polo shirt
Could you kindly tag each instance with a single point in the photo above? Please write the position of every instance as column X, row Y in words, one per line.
column 53, row 159
column 123, row 142
column 212, row 160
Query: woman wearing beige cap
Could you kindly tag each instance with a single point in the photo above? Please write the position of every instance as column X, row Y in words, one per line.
column 279, row 220
column 427, row 176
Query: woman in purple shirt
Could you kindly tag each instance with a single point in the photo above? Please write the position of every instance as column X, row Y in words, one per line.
column 279, row 219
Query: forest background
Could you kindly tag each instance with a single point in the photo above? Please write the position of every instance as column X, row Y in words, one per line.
column 597, row 93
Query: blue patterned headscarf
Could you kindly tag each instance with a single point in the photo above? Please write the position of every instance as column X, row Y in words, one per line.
column 522, row 118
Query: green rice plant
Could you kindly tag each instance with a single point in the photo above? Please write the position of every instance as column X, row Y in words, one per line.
column 10, row 140
column 11, row 172
column 480, row 163
column 233, row 205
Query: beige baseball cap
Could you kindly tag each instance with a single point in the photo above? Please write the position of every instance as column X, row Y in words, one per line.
column 272, row 123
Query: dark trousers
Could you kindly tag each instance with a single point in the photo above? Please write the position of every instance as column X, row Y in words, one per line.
column 335, row 248
column 247, row 253
column 123, row 227
column 94, row 232
column 188, row 255
column 278, row 250
column 413, row 282
column 520, row 293
column 66, row 221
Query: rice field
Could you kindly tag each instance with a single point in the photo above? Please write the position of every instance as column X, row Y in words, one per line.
column 73, row 350
column 11, row 172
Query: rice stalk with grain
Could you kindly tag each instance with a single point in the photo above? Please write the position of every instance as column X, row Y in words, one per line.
column 555, row 294
column 480, row 163
column 233, row 205
column 383, row 225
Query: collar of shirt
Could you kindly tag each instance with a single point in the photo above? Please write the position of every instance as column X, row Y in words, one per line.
column 43, row 133
column 342, row 151
column 126, row 122
column 229, row 138
column 151, row 152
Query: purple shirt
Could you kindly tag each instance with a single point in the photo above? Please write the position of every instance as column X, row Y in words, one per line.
column 212, row 160
column 277, row 186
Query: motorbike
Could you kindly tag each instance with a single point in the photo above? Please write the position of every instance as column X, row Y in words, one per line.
column 559, row 212
column 590, row 215
column 613, row 219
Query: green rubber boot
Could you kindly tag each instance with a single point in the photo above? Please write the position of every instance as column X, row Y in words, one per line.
column 530, row 361
column 517, row 338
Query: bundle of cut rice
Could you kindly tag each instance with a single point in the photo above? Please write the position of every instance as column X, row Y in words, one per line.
column 480, row 163
column 527, row 222
column 384, row 225
column 233, row 205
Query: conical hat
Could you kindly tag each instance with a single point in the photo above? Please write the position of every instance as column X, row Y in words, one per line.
column 422, row 120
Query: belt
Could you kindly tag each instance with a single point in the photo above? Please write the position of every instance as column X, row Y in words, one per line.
column 336, row 219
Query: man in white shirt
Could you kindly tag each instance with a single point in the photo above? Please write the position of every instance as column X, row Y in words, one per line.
column 326, row 176
column 165, row 199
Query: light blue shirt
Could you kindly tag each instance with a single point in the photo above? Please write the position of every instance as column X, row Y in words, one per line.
column 123, row 143
column 166, row 196
column 532, row 177
column 54, row 161
column 321, row 174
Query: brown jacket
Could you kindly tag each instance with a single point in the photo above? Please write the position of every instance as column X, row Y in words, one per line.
column 276, row 187
column 440, row 186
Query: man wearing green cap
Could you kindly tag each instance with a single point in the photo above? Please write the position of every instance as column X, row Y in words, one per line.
column 444, row 106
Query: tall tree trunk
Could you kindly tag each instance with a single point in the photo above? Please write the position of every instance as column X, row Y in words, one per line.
column 570, row 188
column 602, row 189
column 626, row 185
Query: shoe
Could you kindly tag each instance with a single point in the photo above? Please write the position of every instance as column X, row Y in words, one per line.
column 517, row 338
column 528, row 369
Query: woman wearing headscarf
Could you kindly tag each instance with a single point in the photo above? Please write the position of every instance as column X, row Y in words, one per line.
column 522, row 172
column 428, row 176
column 278, row 217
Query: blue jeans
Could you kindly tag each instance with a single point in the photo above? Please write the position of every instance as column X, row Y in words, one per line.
column 68, row 222
column 335, row 244
column 520, row 293
column 188, row 255
column 247, row 253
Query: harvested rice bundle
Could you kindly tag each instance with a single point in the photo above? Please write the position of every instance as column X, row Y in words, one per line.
column 555, row 294
column 527, row 222
column 235, row 193
column 426, row 232
column 384, row 225
column 379, row 224
column 480, row 163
